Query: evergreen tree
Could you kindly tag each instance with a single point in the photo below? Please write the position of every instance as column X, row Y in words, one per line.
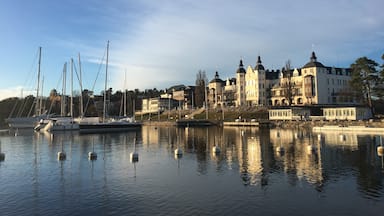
column 379, row 89
column 364, row 79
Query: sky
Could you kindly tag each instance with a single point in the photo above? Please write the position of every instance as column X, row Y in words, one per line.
column 157, row 44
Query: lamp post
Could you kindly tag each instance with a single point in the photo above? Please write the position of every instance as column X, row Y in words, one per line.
column 206, row 104
column 169, row 105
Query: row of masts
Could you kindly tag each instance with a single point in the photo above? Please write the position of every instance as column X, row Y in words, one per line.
column 39, row 89
column 64, row 89
column 63, row 112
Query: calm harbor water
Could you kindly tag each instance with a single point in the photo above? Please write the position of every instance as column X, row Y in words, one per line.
column 340, row 174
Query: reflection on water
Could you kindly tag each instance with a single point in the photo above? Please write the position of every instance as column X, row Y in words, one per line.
column 340, row 168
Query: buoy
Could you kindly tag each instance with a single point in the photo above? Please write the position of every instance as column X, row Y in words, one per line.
column 343, row 138
column 311, row 149
column 92, row 155
column 380, row 151
column 279, row 149
column 2, row 155
column 296, row 135
column 319, row 137
column 178, row 153
column 134, row 157
column 61, row 155
column 216, row 150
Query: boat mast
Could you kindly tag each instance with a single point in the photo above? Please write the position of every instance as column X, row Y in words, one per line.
column 105, row 85
column 71, row 108
column 125, row 94
column 81, row 91
column 63, row 99
column 41, row 108
column 38, row 108
column 206, row 102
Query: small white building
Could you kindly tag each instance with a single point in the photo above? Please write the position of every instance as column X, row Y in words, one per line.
column 347, row 113
column 292, row 113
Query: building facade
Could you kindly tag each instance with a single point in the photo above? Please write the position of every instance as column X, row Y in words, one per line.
column 216, row 92
column 347, row 113
column 313, row 84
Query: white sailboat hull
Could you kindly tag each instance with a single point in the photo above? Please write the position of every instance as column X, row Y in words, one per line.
column 25, row 122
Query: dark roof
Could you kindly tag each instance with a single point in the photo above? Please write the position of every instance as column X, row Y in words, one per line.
column 241, row 67
column 217, row 79
column 259, row 66
column 339, row 71
column 290, row 72
column 287, row 73
column 313, row 62
column 271, row 75
column 232, row 81
column 176, row 88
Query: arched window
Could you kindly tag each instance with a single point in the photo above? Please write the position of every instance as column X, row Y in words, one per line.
column 299, row 101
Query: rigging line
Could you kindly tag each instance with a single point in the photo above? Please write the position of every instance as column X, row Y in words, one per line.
column 13, row 109
column 78, row 75
column 94, row 83
column 28, row 79
column 31, row 74
column 57, row 86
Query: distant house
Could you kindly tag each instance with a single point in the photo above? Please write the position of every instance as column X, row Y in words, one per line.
column 155, row 105
column 347, row 113
column 289, row 113
column 183, row 95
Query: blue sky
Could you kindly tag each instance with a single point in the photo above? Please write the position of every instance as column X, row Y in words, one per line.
column 165, row 42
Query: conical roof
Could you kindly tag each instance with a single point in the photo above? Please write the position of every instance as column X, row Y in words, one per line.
column 241, row 67
column 313, row 62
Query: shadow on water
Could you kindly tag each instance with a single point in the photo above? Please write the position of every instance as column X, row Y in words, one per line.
column 252, row 165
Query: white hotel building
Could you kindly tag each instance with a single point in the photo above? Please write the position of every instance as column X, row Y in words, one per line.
column 313, row 84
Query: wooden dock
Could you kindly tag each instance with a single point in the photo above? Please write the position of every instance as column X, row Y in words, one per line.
column 352, row 129
column 241, row 124
column 194, row 123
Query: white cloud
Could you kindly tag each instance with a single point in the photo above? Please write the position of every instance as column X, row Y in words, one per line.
column 16, row 91
column 177, row 39
column 162, row 43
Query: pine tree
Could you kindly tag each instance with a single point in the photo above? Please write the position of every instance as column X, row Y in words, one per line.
column 364, row 79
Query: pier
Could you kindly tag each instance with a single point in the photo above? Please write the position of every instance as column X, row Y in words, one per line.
column 241, row 124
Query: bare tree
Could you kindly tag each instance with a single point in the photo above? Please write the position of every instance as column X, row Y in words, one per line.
column 287, row 84
column 201, row 82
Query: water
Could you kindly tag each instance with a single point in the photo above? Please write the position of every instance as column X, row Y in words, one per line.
column 343, row 176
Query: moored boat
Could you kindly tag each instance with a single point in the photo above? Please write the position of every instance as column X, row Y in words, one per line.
column 111, row 126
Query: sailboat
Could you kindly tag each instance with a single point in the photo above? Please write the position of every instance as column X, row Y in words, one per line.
column 108, row 125
column 30, row 122
column 63, row 123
